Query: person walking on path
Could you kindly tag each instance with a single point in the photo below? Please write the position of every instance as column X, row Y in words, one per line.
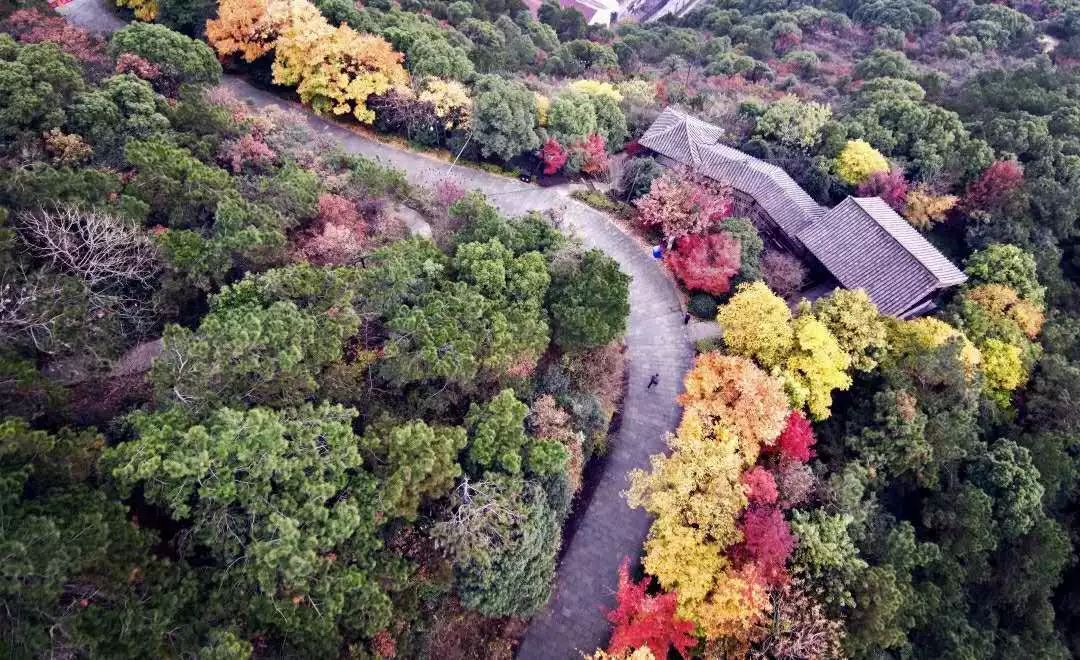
column 654, row 380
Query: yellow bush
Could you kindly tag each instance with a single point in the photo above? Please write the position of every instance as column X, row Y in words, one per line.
column 858, row 161
column 145, row 10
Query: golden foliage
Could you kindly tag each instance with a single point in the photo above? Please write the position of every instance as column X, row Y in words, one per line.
column 641, row 653
column 909, row 338
column 855, row 322
column 543, row 106
column 816, row 366
column 857, row 161
column 756, row 324
column 336, row 71
column 597, row 88
column 450, row 100
column 923, row 208
column 732, row 392
column 145, row 10
column 251, row 28
column 697, row 496
column 1002, row 366
column 1001, row 300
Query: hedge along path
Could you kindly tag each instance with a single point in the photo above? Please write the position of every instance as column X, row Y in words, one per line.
column 608, row 530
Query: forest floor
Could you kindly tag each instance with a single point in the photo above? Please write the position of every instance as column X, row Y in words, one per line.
column 656, row 340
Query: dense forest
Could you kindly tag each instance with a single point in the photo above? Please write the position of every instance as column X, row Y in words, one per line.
column 351, row 440
column 246, row 412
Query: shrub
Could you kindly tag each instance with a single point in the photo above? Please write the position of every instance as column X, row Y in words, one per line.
column 783, row 273
column 702, row 305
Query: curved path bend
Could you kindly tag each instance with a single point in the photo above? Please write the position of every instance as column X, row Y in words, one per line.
column 656, row 339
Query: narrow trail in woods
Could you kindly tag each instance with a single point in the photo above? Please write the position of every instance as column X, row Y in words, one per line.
column 657, row 343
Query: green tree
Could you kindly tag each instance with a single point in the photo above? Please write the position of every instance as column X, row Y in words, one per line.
column 1009, row 265
column 497, row 435
column 35, row 86
column 280, row 505
column 413, row 461
column 504, row 118
column 794, row 123
column 438, row 58
column 187, row 16
column 264, row 340
column 122, row 108
column 589, row 300
column 182, row 60
column 71, row 556
column 1008, row 476
column 502, row 537
column 179, row 188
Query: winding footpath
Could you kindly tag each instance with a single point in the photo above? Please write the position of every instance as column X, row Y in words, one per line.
column 657, row 343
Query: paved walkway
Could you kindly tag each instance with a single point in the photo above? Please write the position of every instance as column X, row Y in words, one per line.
column 656, row 341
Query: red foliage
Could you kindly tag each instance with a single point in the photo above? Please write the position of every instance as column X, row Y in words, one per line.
column 760, row 486
column 634, row 148
column 795, row 440
column 786, row 41
column 595, row 151
column 133, row 64
column 767, row 542
column 889, row 186
column 337, row 236
column 554, row 156
column 681, row 202
column 447, row 191
column 31, row 26
column 991, row 189
column 642, row 620
column 383, row 645
column 247, row 150
column 705, row 263
column 337, row 210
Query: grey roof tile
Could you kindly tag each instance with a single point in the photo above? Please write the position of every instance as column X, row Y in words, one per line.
column 862, row 242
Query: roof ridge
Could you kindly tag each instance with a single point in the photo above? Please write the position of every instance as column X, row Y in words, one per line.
column 859, row 202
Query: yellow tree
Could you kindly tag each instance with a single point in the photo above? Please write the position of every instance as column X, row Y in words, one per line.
column 816, row 366
column 911, row 338
column 1003, row 368
column 1002, row 301
column 336, row 71
column 857, row 161
column 923, row 209
column 145, row 10
column 854, row 320
column 736, row 394
column 450, row 100
column 697, row 496
column 251, row 28
column 757, row 324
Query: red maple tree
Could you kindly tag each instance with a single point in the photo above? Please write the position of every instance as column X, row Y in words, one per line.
column 795, row 440
column 760, row 486
column 706, row 263
column 890, row 186
column 643, row 620
column 553, row 155
column 595, row 155
column 767, row 542
column 994, row 186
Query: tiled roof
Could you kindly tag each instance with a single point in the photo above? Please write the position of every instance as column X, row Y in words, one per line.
column 680, row 136
column 866, row 245
column 784, row 200
column 862, row 241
